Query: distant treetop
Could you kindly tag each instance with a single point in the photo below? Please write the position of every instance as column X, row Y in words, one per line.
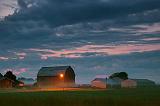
column 1, row 75
column 10, row 75
column 122, row 75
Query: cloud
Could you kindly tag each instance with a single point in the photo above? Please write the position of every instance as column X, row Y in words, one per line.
column 69, row 12
column 21, row 55
column 17, row 72
column 3, row 58
column 76, row 22
column 148, row 29
column 7, row 7
column 151, row 39
column 78, row 52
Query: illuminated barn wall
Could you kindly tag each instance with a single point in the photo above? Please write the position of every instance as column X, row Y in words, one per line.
column 56, row 76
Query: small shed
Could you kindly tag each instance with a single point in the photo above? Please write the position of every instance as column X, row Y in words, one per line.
column 114, row 82
column 57, row 76
column 129, row 83
column 6, row 83
column 144, row 82
column 99, row 83
column 19, row 83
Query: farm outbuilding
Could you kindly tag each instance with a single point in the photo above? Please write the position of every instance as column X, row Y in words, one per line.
column 144, row 82
column 114, row 82
column 99, row 83
column 59, row 76
column 129, row 83
column 6, row 83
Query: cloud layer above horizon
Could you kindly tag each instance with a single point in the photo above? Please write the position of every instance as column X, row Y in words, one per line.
column 95, row 37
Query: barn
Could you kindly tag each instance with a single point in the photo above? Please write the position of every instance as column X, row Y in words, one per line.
column 128, row 83
column 58, row 76
column 6, row 83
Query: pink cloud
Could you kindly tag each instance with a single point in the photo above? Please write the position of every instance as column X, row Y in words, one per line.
column 148, row 28
column 21, row 55
column 18, row 71
column 3, row 58
column 151, row 39
column 97, row 49
column 138, row 29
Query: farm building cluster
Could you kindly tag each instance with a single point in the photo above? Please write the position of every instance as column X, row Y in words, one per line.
column 106, row 82
column 64, row 76
column 6, row 82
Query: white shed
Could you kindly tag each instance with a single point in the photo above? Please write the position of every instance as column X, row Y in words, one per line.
column 99, row 83
column 114, row 82
column 128, row 83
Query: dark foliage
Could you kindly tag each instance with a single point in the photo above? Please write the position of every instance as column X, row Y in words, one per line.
column 1, row 75
column 122, row 75
column 10, row 75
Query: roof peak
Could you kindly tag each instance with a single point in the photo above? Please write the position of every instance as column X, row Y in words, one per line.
column 54, row 66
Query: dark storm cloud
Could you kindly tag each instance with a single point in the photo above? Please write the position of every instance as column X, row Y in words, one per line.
column 62, row 12
column 38, row 20
column 34, row 24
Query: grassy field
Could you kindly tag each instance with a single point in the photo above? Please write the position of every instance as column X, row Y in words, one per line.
column 116, row 97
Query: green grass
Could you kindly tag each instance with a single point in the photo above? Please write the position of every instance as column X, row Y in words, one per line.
column 117, row 97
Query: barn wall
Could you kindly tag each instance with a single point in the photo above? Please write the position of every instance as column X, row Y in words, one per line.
column 49, row 81
column 98, row 84
column 128, row 84
column 69, row 77
column 6, row 83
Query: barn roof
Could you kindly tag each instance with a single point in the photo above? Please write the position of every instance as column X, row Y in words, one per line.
column 52, row 71
column 4, row 78
column 144, row 80
column 102, row 76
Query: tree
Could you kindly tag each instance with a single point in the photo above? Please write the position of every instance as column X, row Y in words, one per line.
column 10, row 75
column 1, row 75
column 122, row 75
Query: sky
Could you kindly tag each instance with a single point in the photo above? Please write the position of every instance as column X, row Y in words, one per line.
column 95, row 37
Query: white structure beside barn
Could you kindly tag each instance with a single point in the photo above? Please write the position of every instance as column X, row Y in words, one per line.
column 144, row 82
column 129, row 83
column 99, row 83
column 105, row 82
column 114, row 82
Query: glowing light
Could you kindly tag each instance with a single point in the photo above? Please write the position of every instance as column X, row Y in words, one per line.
column 61, row 75
column 21, row 85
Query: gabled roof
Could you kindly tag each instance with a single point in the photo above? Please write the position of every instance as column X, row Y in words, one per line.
column 52, row 71
column 102, row 76
column 100, row 79
column 144, row 80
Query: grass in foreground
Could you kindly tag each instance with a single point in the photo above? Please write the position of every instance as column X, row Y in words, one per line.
column 117, row 97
